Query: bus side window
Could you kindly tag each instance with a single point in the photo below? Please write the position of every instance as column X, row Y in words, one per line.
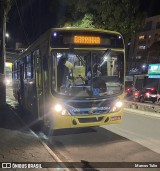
column 53, row 70
column 45, row 64
column 45, row 71
column 29, row 67
column 15, row 70
column 36, row 58
column 38, row 71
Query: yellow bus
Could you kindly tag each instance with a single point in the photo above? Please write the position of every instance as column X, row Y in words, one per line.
column 56, row 81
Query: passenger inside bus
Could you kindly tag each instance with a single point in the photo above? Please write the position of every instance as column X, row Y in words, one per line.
column 76, row 74
column 63, row 70
column 95, row 73
column 92, row 74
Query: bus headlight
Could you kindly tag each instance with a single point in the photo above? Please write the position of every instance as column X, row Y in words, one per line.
column 118, row 105
column 59, row 109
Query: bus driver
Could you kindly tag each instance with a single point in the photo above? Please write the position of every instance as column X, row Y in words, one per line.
column 95, row 73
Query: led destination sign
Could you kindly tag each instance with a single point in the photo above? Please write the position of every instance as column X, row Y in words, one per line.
column 65, row 39
column 87, row 40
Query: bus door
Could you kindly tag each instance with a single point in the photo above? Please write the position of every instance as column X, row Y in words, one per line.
column 39, row 86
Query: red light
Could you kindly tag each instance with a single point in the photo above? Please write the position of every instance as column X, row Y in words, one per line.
column 152, row 89
column 147, row 93
column 136, row 93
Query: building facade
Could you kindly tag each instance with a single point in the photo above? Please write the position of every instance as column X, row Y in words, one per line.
column 142, row 45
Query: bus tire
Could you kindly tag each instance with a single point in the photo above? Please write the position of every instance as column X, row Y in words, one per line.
column 48, row 129
column 38, row 125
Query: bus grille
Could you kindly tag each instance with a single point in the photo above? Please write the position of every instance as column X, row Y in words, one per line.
column 90, row 107
column 91, row 112
column 86, row 104
column 86, row 120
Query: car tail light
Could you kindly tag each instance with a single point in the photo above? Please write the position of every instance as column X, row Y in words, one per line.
column 128, row 89
column 147, row 93
column 136, row 93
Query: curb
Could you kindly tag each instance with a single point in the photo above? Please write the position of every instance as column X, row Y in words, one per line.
column 141, row 112
column 142, row 107
column 54, row 156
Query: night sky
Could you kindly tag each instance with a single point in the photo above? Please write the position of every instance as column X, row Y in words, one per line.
column 37, row 16
column 152, row 7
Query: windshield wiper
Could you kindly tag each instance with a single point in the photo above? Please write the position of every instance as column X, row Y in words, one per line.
column 83, row 62
column 106, row 53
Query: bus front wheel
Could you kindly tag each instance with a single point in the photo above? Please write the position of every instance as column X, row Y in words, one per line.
column 48, row 129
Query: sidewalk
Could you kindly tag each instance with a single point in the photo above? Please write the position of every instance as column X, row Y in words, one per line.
column 18, row 143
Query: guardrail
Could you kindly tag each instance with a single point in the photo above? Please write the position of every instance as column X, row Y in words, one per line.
column 142, row 106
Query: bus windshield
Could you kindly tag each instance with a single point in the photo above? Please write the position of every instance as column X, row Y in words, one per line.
column 87, row 73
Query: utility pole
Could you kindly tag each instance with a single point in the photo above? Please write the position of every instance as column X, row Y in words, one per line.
column 5, row 6
column 2, row 53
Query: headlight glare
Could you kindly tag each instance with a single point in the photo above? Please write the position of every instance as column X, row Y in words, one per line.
column 118, row 105
column 61, row 110
column 64, row 112
column 7, row 81
column 58, row 108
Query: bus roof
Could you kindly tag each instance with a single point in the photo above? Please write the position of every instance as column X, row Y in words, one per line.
column 47, row 34
column 84, row 29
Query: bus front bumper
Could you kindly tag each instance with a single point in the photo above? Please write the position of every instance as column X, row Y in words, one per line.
column 68, row 121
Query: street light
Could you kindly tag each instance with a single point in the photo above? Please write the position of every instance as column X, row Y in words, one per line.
column 7, row 35
column 144, row 66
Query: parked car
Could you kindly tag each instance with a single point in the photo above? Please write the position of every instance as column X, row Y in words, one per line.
column 146, row 94
column 129, row 90
column 158, row 98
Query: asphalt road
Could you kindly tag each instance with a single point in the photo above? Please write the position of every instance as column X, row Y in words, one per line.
column 137, row 139
column 139, row 128
column 133, row 140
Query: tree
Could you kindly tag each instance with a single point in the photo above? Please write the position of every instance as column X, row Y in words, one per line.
column 123, row 16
